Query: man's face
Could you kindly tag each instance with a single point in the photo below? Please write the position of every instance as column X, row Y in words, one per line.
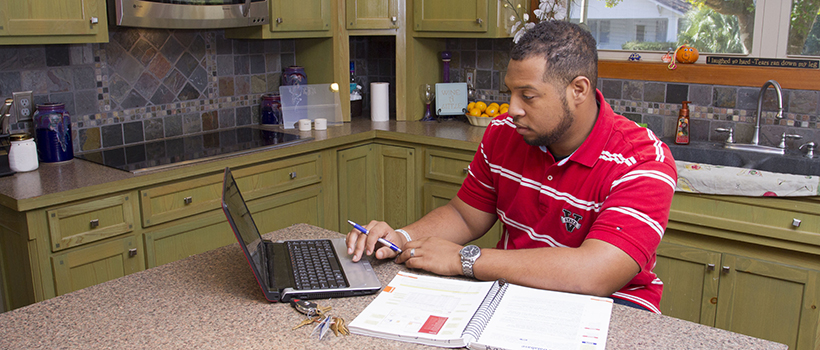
column 539, row 109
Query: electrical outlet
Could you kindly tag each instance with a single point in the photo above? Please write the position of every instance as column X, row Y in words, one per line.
column 469, row 74
column 23, row 106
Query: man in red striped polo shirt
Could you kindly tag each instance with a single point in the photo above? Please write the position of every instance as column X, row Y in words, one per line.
column 583, row 193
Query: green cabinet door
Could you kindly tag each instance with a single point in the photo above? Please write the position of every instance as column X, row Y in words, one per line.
column 85, row 267
column 769, row 300
column 377, row 182
column 298, row 16
column 451, row 15
column 53, row 21
column 372, row 14
column 437, row 194
column 690, row 282
column 183, row 238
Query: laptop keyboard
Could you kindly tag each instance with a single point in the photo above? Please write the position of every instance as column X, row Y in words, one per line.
column 315, row 265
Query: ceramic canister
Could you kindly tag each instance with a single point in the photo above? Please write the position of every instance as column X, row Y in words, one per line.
column 22, row 153
column 53, row 133
column 271, row 109
column 294, row 75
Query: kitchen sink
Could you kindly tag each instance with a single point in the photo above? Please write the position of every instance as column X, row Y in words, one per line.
column 792, row 162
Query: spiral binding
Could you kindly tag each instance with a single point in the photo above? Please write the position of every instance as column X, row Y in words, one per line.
column 485, row 312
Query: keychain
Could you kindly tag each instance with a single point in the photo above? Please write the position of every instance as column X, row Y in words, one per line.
column 318, row 314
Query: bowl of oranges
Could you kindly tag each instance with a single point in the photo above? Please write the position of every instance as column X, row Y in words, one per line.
column 480, row 113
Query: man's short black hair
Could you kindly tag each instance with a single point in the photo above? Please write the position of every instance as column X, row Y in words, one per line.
column 568, row 49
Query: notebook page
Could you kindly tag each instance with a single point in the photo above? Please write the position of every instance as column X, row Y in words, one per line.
column 530, row 319
column 422, row 309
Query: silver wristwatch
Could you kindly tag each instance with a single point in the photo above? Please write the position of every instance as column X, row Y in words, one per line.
column 469, row 255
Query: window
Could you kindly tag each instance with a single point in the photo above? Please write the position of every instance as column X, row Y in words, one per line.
column 757, row 28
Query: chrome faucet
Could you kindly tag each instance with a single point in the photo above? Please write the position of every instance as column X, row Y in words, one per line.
column 756, row 137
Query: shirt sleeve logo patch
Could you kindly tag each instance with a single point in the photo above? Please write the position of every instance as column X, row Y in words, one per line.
column 571, row 221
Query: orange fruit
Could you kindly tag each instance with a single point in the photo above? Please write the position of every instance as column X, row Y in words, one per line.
column 481, row 106
column 503, row 110
column 470, row 105
column 504, row 105
column 493, row 105
column 491, row 110
column 485, row 115
column 474, row 112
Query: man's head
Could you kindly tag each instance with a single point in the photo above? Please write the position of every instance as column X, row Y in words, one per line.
column 569, row 51
column 551, row 76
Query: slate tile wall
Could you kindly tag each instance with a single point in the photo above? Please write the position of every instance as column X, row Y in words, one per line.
column 146, row 84
column 657, row 103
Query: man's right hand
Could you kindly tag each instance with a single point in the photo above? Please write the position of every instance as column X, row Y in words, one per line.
column 359, row 243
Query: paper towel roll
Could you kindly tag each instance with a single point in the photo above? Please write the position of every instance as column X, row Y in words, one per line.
column 379, row 101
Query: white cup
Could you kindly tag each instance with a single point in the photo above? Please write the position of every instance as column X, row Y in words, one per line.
column 320, row 124
column 304, row 124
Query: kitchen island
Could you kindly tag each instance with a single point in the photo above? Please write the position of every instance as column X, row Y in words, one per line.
column 211, row 300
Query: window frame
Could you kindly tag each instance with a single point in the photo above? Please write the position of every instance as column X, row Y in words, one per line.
column 771, row 33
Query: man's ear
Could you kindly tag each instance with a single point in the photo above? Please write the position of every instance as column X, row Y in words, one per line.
column 580, row 90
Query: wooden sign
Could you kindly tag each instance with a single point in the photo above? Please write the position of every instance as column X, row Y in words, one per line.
column 451, row 98
column 762, row 62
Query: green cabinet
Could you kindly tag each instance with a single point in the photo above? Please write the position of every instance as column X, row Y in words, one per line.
column 372, row 14
column 464, row 18
column 290, row 19
column 95, row 264
column 53, row 22
column 747, row 265
column 377, row 182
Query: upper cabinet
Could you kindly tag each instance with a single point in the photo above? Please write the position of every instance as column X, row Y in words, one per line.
column 464, row 18
column 372, row 14
column 290, row 19
column 53, row 22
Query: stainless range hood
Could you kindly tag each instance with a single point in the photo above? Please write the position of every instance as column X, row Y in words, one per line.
column 189, row 14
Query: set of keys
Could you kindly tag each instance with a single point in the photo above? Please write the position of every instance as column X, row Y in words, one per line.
column 318, row 314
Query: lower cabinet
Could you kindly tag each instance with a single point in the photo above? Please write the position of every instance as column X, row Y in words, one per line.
column 94, row 264
column 377, row 182
column 742, row 294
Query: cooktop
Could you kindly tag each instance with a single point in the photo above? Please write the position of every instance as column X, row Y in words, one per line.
column 153, row 155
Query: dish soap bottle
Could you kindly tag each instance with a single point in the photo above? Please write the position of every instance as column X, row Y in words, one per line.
column 682, row 131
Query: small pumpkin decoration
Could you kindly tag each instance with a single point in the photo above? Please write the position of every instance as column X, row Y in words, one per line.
column 686, row 54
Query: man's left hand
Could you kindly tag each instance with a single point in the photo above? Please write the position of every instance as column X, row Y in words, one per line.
column 432, row 254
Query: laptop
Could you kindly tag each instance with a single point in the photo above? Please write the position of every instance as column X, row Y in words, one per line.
column 295, row 269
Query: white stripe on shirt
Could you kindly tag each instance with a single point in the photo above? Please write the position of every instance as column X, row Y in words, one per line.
column 638, row 301
column 644, row 173
column 642, row 217
column 530, row 232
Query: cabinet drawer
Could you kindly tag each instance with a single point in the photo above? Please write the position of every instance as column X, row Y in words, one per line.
column 84, row 267
column 446, row 166
column 787, row 219
column 82, row 223
column 182, row 199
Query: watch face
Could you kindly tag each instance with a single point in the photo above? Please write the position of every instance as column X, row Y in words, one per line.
column 470, row 251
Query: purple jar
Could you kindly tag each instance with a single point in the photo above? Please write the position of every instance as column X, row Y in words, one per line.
column 52, row 126
column 294, row 75
column 271, row 109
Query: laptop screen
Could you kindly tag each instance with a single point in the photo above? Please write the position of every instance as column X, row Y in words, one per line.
column 244, row 227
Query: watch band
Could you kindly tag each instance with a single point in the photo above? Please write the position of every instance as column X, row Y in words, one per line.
column 406, row 235
column 467, row 268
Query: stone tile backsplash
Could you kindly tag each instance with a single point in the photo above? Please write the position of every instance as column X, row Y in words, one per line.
column 149, row 84
column 146, row 84
column 658, row 103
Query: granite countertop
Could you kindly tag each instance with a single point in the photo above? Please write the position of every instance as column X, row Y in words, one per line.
column 211, row 300
column 80, row 178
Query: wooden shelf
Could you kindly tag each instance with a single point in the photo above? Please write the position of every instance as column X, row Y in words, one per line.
column 789, row 78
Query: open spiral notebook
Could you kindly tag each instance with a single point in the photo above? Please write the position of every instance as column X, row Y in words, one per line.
column 484, row 315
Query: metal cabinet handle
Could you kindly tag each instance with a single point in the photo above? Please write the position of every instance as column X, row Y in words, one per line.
column 95, row 20
column 726, row 269
column 279, row 20
column 710, row 267
column 94, row 223
column 796, row 222
column 293, row 175
column 188, row 200
column 479, row 21
column 394, row 19
column 466, row 170
column 132, row 252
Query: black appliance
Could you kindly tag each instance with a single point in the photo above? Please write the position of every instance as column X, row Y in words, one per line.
column 165, row 153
